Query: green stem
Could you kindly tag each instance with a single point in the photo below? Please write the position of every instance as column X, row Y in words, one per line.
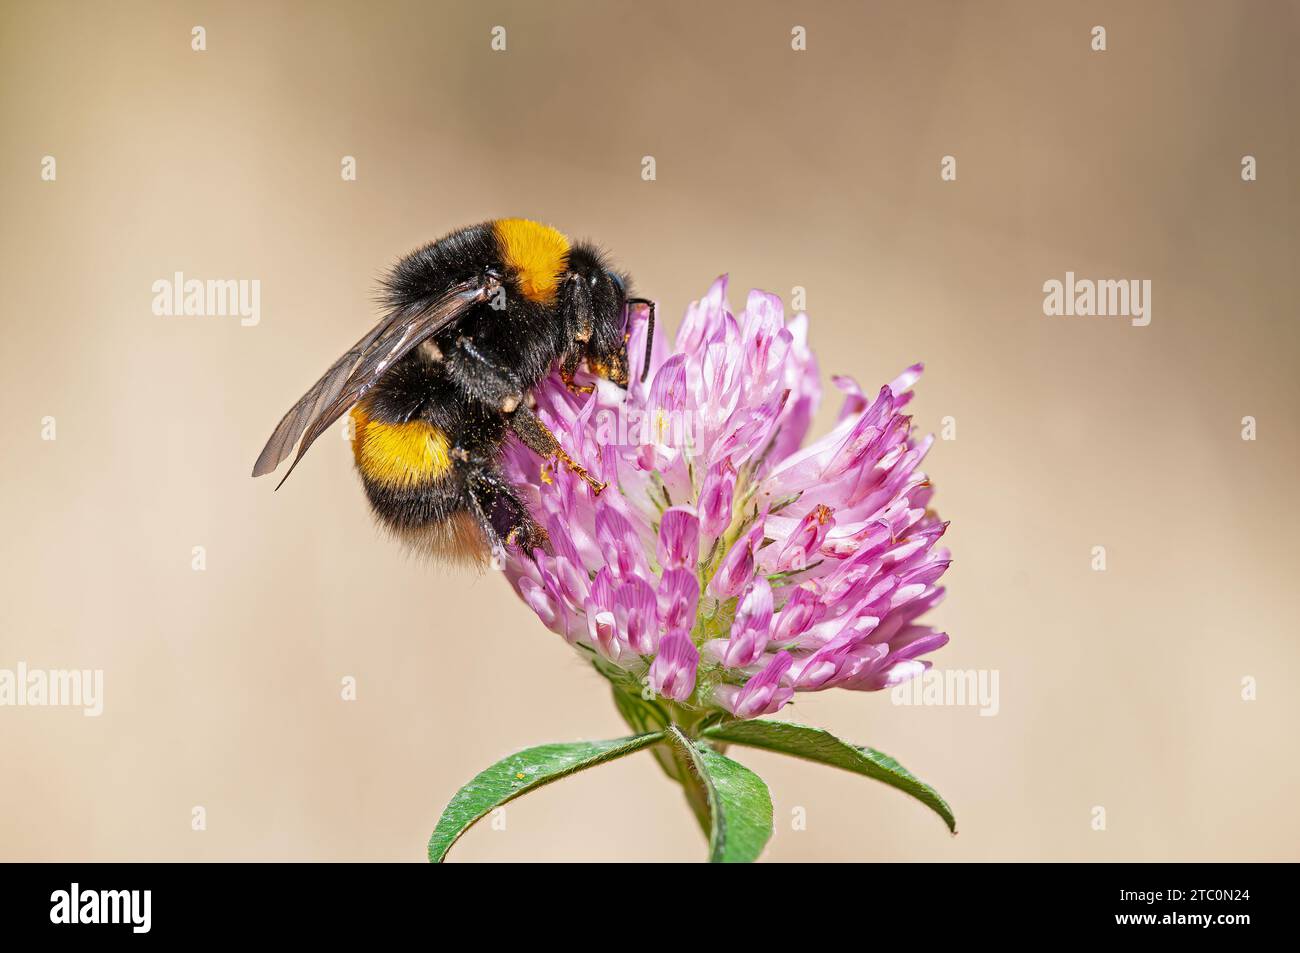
column 661, row 714
column 696, row 795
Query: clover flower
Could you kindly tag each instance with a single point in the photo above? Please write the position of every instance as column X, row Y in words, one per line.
column 727, row 566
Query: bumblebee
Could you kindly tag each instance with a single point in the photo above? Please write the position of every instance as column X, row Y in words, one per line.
column 472, row 323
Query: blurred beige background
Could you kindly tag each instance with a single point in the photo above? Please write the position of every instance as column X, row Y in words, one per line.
column 820, row 169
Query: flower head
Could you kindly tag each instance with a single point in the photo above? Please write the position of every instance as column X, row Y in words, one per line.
column 726, row 565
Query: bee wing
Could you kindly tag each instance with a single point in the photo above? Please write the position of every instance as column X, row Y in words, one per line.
column 356, row 371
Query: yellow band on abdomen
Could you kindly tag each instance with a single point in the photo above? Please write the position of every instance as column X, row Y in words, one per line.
column 399, row 455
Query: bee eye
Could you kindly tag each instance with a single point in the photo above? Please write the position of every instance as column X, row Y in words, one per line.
column 617, row 279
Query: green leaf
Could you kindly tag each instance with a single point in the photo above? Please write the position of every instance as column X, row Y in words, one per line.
column 739, row 806
column 519, row 774
column 815, row 744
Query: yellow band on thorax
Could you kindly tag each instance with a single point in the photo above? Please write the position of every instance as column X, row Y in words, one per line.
column 537, row 253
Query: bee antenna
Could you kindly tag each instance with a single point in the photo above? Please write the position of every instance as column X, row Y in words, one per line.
column 649, row 334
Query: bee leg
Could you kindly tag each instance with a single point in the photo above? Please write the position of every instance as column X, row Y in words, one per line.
column 567, row 368
column 538, row 438
column 495, row 544
column 479, row 377
column 578, row 346
column 504, row 517
column 494, row 387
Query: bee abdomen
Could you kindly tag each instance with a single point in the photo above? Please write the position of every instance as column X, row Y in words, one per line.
column 409, row 474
